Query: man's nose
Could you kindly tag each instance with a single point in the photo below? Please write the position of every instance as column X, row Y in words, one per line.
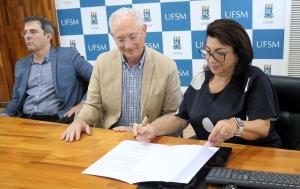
column 27, row 35
column 127, row 43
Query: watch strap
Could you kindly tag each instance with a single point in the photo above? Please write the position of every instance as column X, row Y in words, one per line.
column 240, row 125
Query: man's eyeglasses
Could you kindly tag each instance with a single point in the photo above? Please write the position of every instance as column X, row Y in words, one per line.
column 31, row 32
column 217, row 55
column 131, row 38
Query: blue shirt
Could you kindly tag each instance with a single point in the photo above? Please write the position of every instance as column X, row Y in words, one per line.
column 131, row 93
column 41, row 98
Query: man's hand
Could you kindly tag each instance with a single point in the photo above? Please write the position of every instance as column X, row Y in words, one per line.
column 75, row 129
column 74, row 110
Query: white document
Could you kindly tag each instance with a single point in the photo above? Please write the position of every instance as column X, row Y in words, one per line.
column 134, row 162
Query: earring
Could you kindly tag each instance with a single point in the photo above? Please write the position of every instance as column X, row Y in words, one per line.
column 237, row 60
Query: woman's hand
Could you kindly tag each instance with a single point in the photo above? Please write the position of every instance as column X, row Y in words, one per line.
column 223, row 130
column 145, row 133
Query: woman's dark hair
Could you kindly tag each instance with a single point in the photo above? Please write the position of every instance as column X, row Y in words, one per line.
column 231, row 33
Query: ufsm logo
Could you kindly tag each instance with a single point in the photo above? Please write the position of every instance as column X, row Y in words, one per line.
column 95, row 45
column 72, row 43
column 147, row 15
column 94, row 18
column 268, row 44
column 268, row 69
column 176, row 16
column 241, row 12
column 198, row 42
column 185, row 72
column 69, row 22
column 176, row 43
column 236, row 14
column 154, row 41
column 205, row 13
column 91, row 3
column 268, row 10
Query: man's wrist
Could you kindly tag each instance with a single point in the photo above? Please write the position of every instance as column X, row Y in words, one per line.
column 4, row 114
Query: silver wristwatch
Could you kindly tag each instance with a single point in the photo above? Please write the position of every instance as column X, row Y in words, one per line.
column 240, row 125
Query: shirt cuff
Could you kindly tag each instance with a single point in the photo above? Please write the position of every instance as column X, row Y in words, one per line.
column 4, row 114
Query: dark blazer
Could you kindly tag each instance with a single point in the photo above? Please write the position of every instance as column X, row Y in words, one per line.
column 70, row 72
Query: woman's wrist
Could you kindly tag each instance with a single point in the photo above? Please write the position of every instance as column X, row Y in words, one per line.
column 240, row 126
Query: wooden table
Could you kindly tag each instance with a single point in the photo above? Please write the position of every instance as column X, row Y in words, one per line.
column 33, row 156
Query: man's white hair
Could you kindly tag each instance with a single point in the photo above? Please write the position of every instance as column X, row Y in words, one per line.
column 126, row 11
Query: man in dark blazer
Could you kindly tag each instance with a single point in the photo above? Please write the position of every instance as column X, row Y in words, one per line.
column 50, row 83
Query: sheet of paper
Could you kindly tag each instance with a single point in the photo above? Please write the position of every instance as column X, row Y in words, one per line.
column 134, row 162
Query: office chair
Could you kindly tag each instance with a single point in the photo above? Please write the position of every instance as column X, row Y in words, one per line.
column 288, row 124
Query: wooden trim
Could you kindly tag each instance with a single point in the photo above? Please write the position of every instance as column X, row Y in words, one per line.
column 3, row 104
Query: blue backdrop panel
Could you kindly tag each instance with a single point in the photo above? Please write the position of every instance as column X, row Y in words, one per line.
column 177, row 28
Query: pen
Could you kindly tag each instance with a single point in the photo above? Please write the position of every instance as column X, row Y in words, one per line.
column 144, row 123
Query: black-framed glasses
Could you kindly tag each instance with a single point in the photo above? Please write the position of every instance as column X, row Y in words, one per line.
column 217, row 55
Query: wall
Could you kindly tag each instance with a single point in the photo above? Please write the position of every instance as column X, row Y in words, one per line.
column 12, row 46
column 294, row 39
column 177, row 28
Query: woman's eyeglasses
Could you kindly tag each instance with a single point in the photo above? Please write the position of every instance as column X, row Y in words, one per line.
column 217, row 55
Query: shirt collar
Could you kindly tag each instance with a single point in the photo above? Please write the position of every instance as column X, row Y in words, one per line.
column 138, row 66
column 46, row 57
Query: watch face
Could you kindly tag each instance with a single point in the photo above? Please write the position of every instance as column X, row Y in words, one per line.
column 240, row 124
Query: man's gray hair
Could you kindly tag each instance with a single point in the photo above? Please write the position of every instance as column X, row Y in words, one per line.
column 125, row 11
column 46, row 25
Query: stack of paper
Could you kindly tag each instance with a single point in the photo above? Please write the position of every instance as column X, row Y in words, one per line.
column 134, row 162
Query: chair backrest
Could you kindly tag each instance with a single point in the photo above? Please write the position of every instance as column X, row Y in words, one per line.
column 288, row 124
